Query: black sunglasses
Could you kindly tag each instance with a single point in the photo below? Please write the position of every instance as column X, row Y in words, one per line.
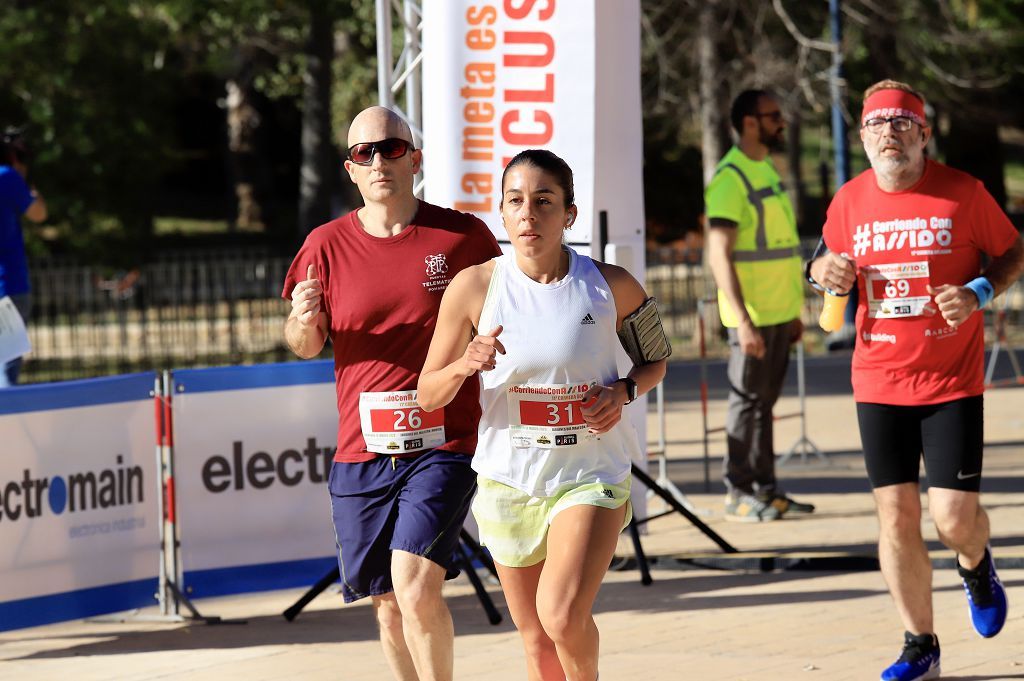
column 391, row 148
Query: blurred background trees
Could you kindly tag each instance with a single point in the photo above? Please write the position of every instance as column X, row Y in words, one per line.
column 964, row 55
column 173, row 122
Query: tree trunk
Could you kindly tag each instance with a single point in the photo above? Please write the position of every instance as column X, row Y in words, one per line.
column 714, row 121
column 319, row 173
column 797, row 190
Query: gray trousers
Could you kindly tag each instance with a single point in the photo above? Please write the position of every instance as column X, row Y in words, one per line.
column 23, row 302
column 754, row 387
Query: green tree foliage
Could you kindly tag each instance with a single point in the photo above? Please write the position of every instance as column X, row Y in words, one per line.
column 966, row 56
column 95, row 85
column 87, row 81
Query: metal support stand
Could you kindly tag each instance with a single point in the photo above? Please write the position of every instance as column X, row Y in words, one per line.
column 1001, row 343
column 649, row 482
column 169, row 594
column 660, row 452
column 463, row 556
column 641, row 557
column 706, row 431
column 803, row 444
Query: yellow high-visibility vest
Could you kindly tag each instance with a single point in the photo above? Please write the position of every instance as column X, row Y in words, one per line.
column 766, row 253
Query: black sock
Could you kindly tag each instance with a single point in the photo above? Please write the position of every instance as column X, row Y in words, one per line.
column 979, row 569
column 924, row 642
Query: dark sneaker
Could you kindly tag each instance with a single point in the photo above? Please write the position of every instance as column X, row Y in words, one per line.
column 787, row 505
column 747, row 508
column 986, row 597
column 918, row 661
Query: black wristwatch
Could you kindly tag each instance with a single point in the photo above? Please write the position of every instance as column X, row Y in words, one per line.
column 630, row 388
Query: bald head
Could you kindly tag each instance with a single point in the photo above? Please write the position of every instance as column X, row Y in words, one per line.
column 377, row 123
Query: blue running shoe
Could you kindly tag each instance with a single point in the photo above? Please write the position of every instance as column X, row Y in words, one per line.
column 986, row 597
column 918, row 661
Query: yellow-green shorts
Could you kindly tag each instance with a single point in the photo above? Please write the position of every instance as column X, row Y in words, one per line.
column 514, row 525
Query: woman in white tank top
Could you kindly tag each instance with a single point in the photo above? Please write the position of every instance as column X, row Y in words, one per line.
column 539, row 325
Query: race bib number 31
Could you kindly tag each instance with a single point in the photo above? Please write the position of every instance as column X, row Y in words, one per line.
column 392, row 423
column 547, row 416
column 897, row 289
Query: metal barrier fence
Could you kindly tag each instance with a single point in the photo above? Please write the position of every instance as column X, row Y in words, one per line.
column 193, row 309
column 183, row 310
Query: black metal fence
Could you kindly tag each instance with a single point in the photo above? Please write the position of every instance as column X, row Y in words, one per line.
column 182, row 310
column 224, row 307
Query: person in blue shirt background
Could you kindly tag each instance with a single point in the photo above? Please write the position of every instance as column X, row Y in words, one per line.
column 17, row 198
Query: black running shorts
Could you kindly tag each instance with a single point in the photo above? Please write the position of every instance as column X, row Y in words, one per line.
column 950, row 435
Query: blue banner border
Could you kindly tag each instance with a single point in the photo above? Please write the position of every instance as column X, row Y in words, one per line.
column 70, row 605
column 83, row 393
column 215, row 379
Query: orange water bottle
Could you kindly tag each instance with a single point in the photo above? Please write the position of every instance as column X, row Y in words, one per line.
column 832, row 312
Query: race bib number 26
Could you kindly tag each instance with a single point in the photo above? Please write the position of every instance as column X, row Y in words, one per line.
column 392, row 423
column 897, row 289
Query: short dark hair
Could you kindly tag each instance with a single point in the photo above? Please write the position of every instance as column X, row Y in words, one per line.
column 12, row 146
column 549, row 163
column 745, row 104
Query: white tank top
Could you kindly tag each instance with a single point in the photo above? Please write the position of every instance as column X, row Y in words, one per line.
column 560, row 338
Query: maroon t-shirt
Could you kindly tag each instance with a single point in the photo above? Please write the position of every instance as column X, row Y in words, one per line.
column 381, row 296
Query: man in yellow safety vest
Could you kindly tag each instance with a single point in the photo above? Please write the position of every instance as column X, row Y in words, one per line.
column 754, row 254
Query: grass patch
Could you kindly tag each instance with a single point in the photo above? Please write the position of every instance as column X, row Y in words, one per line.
column 167, row 225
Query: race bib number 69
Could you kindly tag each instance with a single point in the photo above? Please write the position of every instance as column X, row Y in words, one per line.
column 897, row 290
column 392, row 423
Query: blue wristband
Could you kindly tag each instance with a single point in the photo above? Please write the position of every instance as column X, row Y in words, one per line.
column 982, row 288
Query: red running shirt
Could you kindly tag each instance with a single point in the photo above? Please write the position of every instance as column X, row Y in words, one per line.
column 381, row 296
column 933, row 233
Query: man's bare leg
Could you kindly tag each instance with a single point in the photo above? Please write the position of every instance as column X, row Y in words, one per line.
column 962, row 523
column 426, row 621
column 396, row 652
column 903, row 556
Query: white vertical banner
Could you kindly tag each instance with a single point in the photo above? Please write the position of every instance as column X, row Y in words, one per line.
column 500, row 77
column 564, row 75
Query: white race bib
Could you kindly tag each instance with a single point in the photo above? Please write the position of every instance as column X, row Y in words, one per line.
column 547, row 416
column 13, row 335
column 392, row 423
column 897, row 289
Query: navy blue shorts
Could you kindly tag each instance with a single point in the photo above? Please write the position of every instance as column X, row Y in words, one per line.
column 412, row 504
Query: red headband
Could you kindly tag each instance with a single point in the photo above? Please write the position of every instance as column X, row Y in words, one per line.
column 889, row 103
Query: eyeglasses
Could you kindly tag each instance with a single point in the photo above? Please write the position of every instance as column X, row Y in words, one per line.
column 391, row 148
column 899, row 124
column 776, row 116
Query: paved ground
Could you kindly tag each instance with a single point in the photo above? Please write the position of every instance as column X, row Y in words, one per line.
column 700, row 624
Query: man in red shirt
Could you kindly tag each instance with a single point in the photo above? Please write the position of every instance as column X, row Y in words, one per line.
column 909, row 232
column 401, row 481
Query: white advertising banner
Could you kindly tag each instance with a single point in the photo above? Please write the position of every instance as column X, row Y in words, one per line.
column 498, row 78
column 564, row 75
column 78, row 513
column 503, row 76
column 253, row 448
